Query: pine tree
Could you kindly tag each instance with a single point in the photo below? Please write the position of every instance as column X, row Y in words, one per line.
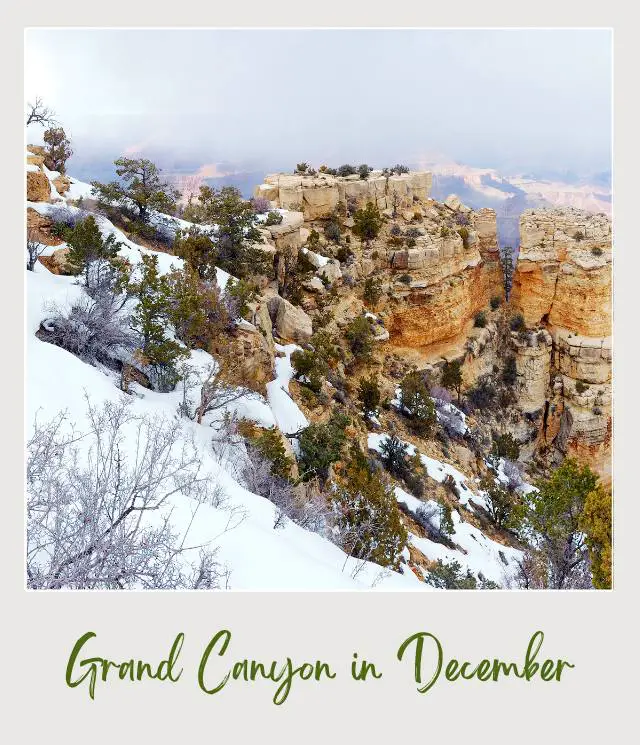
column 236, row 233
column 89, row 252
column 417, row 403
column 197, row 250
column 367, row 222
column 394, row 455
column 447, row 528
column 369, row 396
column 554, row 513
column 452, row 377
column 596, row 521
column 368, row 517
column 58, row 150
column 151, row 321
column 141, row 184
column 506, row 259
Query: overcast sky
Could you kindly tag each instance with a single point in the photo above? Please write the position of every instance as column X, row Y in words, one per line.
column 516, row 100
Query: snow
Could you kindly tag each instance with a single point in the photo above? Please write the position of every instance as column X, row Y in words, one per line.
column 285, row 410
column 456, row 419
column 78, row 190
column 479, row 554
column 32, row 167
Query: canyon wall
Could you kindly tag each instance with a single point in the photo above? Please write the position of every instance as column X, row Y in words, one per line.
column 447, row 278
column 562, row 287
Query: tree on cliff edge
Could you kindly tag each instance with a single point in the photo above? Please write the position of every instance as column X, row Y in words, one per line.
column 141, row 186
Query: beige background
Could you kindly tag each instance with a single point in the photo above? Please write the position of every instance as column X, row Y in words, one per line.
column 596, row 631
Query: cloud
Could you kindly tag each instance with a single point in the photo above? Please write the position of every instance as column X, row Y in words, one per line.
column 522, row 98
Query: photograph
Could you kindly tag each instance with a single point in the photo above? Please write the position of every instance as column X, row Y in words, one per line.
column 318, row 309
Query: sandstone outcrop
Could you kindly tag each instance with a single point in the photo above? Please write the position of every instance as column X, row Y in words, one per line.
column 533, row 365
column 451, row 273
column 563, row 272
column 318, row 197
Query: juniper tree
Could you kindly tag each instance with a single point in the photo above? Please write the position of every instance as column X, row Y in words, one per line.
column 555, row 516
column 321, row 445
column 372, row 291
column 360, row 338
column 367, row 222
column 89, row 253
column 269, row 444
column 452, row 377
column 151, row 320
column 367, row 515
column 595, row 521
column 141, row 185
column 502, row 504
column 198, row 251
column 197, row 310
column 417, row 403
column 369, row 396
column 58, row 149
column 236, row 233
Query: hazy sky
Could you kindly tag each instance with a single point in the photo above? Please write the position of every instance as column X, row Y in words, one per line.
column 517, row 100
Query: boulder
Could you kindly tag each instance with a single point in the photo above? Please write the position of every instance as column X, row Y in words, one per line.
column 62, row 184
column 314, row 284
column 330, row 271
column 290, row 322
column 38, row 187
column 58, row 262
column 39, row 227
column 453, row 202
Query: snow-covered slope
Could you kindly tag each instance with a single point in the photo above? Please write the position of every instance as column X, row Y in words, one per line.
column 242, row 527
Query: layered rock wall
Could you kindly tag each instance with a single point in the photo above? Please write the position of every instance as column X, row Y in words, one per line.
column 562, row 284
column 318, row 197
column 451, row 279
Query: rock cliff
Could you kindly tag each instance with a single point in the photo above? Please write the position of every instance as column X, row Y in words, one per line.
column 562, row 287
column 319, row 196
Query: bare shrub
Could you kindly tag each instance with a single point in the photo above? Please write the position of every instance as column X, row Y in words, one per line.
column 302, row 505
column 94, row 328
column 260, row 205
column 38, row 113
column 98, row 512
column 34, row 250
column 513, row 473
column 428, row 517
column 215, row 393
